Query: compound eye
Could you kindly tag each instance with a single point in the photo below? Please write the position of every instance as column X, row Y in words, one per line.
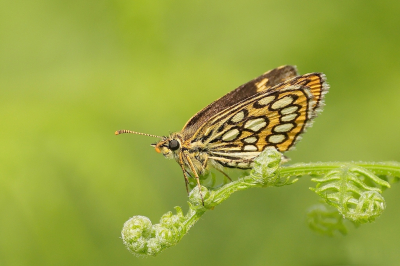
column 173, row 144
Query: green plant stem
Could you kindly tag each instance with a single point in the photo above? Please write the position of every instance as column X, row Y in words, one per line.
column 354, row 189
column 304, row 169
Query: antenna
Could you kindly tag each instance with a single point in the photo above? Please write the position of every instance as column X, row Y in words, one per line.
column 123, row 131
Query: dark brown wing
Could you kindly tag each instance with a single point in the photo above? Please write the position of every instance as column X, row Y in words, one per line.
column 261, row 83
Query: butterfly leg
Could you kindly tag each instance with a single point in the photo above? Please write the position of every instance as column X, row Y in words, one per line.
column 195, row 173
column 188, row 174
column 186, row 181
column 185, row 173
column 225, row 174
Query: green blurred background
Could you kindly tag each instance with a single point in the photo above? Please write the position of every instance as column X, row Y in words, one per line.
column 73, row 72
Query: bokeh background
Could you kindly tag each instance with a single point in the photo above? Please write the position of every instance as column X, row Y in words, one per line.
column 72, row 72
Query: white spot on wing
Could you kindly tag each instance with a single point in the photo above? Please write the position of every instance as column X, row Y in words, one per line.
column 289, row 117
column 250, row 148
column 255, row 124
column 239, row 155
column 284, row 127
column 266, row 100
column 283, row 102
column 238, row 117
column 250, row 139
column 207, row 131
column 289, row 110
column 230, row 135
column 243, row 165
column 232, row 164
column 276, row 138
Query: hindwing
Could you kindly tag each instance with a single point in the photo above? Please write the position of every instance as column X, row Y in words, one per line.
column 316, row 83
column 273, row 117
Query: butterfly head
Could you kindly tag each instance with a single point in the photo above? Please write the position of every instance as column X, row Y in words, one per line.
column 169, row 146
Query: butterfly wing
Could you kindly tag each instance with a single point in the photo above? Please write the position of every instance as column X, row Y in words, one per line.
column 261, row 83
column 316, row 83
column 273, row 117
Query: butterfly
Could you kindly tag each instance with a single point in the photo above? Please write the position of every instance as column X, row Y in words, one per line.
column 273, row 109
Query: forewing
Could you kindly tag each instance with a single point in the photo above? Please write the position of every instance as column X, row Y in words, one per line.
column 274, row 117
column 261, row 83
